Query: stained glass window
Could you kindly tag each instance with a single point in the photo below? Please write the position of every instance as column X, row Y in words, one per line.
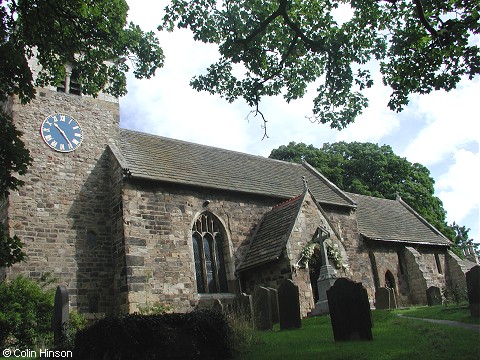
column 208, row 248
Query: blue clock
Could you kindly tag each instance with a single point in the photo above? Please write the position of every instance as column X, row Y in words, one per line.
column 61, row 132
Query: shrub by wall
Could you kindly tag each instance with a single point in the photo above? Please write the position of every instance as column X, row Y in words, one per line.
column 201, row 334
column 25, row 314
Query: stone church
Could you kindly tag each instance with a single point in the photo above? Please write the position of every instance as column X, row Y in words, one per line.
column 128, row 219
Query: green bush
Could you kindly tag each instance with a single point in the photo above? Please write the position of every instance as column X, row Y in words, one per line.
column 26, row 311
column 156, row 308
column 201, row 334
column 456, row 294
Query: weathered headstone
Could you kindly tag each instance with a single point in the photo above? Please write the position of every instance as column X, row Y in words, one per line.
column 473, row 289
column 349, row 311
column 274, row 299
column 385, row 298
column 382, row 300
column 243, row 305
column 289, row 305
column 61, row 313
column 434, row 296
column 263, row 308
column 217, row 306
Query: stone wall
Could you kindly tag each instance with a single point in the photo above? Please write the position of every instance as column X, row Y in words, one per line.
column 345, row 224
column 419, row 275
column 63, row 211
column 268, row 275
column 456, row 270
column 158, row 222
column 120, row 290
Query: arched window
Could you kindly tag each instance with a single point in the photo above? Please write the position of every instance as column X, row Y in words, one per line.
column 208, row 245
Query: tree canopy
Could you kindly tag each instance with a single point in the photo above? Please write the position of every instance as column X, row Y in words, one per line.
column 370, row 169
column 92, row 35
column 272, row 47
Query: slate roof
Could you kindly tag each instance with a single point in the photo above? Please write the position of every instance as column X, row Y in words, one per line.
column 272, row 234
column 169, row 160
column 393, row 220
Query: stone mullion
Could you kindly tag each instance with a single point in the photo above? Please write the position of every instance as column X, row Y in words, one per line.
column 214, row 264
column 204, row 265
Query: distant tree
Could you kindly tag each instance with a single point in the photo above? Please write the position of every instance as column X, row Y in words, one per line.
column 462, row 241
column 370, row 169
column 93, row 36
column 284, row 45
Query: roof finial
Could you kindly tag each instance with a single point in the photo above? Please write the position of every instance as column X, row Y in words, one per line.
column 305, row 182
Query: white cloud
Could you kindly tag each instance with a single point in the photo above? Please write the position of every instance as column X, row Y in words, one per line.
column 458, row 187
column 453, row 120
column 376, row 121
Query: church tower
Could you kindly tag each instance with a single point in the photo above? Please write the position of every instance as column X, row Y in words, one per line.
column 62, row 213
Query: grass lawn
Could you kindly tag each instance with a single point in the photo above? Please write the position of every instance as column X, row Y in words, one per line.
column 393, row 338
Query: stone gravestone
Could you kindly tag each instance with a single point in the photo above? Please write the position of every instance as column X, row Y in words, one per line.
column 385, row 298
column 263, row 308
column 61, row 313
column 382, row 300
column 434, row 296
column 349, row 311
column 289, row 305
column 473, row 289
column 217, row 306
column 274, row 299
column 243, row 305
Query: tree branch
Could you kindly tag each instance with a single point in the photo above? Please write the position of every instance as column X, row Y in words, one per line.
column 423, row 19
column 263, row 25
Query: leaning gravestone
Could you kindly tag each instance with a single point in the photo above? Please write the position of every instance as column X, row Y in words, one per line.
column 263, row 308
column 243, row 305
column 473, row 288
column 349, row 311
column 385, row 298
column 434, row 296
column 274, row 299
column 289, row 305
column 60, row 313
column 382, row 298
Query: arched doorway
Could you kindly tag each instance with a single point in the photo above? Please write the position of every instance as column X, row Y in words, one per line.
column 389, row 280
column 314, row 266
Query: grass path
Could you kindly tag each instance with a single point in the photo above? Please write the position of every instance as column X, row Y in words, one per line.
column 393, row 338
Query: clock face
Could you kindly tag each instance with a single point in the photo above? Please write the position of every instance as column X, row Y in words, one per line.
column 61, row 132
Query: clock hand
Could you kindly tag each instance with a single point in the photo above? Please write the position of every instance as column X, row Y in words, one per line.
column 63, row 134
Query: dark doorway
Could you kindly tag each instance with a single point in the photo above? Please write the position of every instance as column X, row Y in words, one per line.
column 314, row 266
column 389, row 280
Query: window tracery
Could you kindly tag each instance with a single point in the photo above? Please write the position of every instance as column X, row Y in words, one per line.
column 208, row 245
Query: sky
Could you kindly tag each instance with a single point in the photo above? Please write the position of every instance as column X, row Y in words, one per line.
column 440, row 130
